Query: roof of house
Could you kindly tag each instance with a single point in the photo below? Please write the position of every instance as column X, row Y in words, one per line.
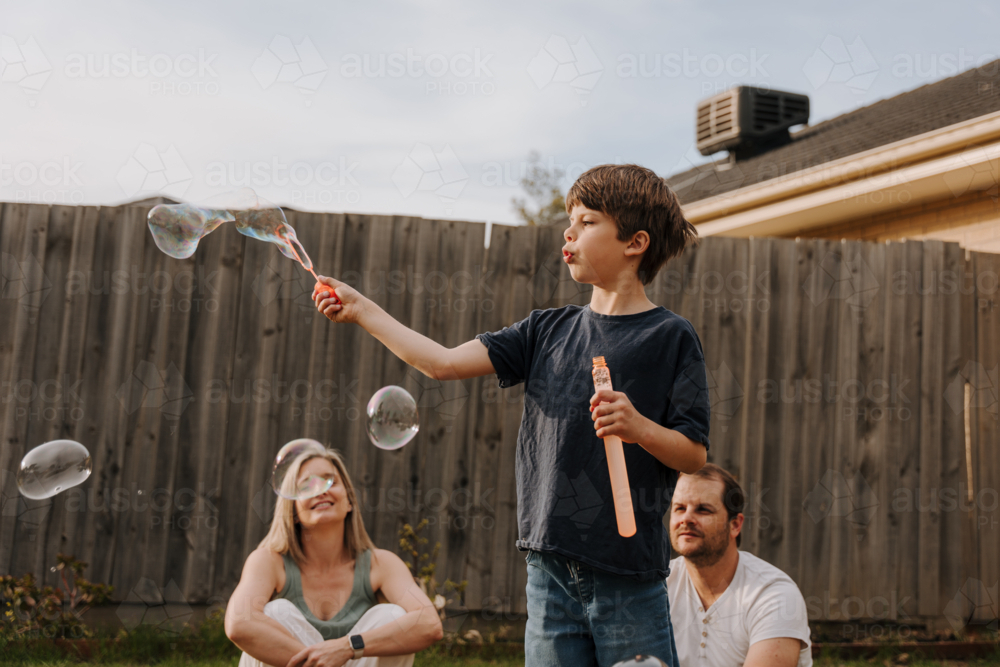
column 967, row 95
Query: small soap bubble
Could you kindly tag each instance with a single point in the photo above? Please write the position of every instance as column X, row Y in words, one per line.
column 52, row 467
column 299, row 449
column 392, row 418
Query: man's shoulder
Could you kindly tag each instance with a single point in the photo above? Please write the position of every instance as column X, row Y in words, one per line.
column 677, row 571
column 759, row 571
column 766, row 584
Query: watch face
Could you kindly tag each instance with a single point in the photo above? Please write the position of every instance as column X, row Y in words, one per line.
column 357, row 642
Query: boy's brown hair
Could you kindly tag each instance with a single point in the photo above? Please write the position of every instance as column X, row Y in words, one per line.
column 732, row 493
column 638, row 200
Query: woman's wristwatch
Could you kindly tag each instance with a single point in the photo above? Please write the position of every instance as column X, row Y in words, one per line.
column 358, row 644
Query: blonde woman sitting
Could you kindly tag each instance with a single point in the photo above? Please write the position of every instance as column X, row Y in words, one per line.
column 309, row 594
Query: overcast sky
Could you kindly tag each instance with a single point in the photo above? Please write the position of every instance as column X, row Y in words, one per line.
column 422, row 108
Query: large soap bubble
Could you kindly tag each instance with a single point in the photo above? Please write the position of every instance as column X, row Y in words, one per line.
column 177, row 228
column 53, row 467
column 392, row 418
column 287, row 456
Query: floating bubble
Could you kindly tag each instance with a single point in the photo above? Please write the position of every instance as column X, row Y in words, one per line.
column 392, row 418
column 53, row 467
column 177, row 228
column 283, row 462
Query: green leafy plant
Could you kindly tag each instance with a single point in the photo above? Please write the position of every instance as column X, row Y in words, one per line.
column 421, row 563
column 33, row 611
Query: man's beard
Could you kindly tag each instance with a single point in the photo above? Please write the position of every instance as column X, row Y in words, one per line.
column 713, row 547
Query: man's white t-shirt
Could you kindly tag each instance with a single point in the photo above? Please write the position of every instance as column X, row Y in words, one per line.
column 761, row 602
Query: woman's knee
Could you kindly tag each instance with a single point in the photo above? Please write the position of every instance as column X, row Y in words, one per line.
column 279, row 609
column 387, row 611
column 379, row 615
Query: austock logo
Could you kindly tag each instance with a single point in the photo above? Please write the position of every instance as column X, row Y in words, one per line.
column 435, row 394
column 725, row 394
column 835, row 62
column 148, row 387
column 980, row 172
column 165, row 609
column 284, row 62
column 560, row 62
column 149, row 171
column 24, row 281
column 262, row 503
column 974, row 605
column 835, row 495
column 29, row 514
column 23, row 64
column 984, row 389
column 579, row 500
column 424, row 170
column 270, row 285
column 552, row 279
column 720, row 178
column 838, row 277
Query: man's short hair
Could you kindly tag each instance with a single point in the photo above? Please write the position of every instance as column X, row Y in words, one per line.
column 638, row 200
column 732, row 494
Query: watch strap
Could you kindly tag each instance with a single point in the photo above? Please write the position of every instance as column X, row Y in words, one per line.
column 358, row 644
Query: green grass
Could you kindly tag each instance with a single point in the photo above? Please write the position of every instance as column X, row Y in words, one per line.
column 428, row 659
column 424, row 659
column 438, row 661
column 208, row 646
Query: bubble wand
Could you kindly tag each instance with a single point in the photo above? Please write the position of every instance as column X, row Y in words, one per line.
column 318, row 287
column 620, row 490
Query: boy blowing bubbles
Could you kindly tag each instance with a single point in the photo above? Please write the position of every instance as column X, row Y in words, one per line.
column 593, row 597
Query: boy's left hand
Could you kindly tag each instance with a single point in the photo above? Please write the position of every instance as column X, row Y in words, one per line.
column 617, row 416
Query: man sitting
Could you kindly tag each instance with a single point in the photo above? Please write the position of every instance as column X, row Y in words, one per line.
column 728, row 607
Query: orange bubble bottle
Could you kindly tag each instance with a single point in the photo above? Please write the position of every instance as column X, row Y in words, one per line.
column 616, row 461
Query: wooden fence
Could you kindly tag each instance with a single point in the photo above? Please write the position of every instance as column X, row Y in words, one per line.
column 854, row 391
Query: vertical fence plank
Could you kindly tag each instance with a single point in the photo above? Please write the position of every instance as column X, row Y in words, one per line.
column 209, row 369
column 931, row 363
column 951, row 469
column 755, row 374
column 985, row 408
column 24, row 233
column 816, row 421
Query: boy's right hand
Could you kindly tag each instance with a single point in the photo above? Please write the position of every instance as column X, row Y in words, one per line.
column 344, row 305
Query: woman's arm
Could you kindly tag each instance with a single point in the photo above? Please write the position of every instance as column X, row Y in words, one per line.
column 415, row 631
column 246, row 625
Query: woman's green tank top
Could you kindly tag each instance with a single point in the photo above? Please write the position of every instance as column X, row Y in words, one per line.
column 362, row 598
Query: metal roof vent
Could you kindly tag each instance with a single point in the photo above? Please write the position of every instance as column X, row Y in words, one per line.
column 747, row 120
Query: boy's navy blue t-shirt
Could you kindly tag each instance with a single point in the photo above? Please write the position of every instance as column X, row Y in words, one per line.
column 564, row 500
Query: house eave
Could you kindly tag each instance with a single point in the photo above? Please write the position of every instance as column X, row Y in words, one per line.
column 947, row 162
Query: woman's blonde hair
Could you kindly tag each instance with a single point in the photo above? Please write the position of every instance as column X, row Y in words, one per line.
column 285, row 534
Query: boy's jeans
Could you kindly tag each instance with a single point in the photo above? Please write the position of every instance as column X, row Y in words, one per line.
column 580, row 617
